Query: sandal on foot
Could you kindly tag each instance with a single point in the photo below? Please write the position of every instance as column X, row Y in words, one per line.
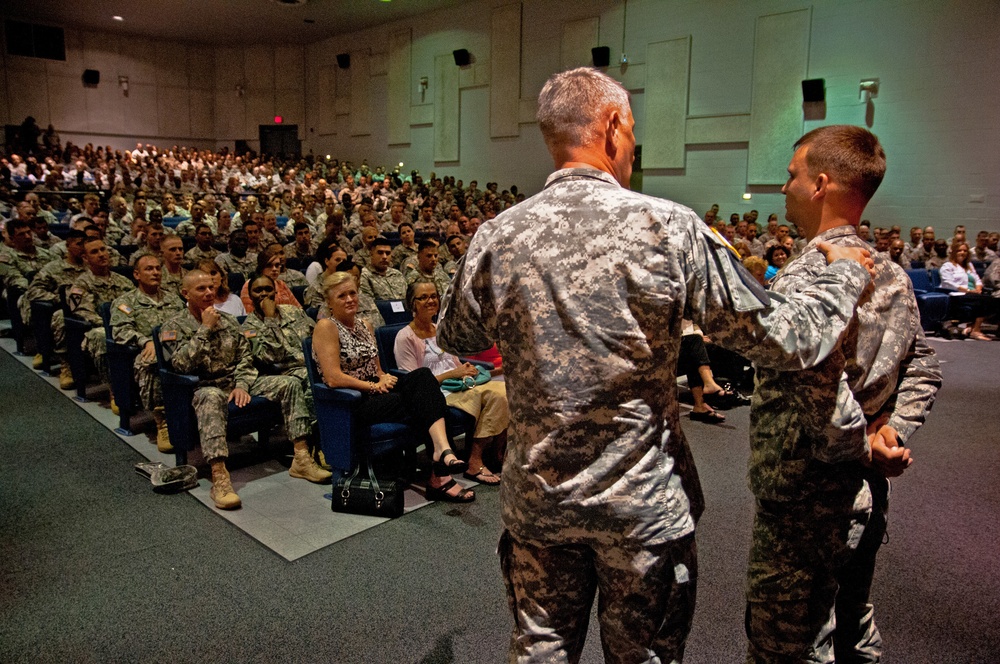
column 440, row 468
column 979, row 336
column 483, row 476
column 441, row 493
column 709, row 417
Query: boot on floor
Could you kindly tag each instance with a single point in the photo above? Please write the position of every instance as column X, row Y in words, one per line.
column 222, row 493
column 162, row 436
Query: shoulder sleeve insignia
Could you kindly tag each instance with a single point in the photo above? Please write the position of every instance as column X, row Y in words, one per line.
column 249, row 334
column 125, row 309
column 76, row 290
column 168, row 335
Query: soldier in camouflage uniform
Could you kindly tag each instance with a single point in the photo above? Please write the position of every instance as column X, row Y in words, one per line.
column 173, row 263
column 428, row 267
column 133, row 317
column 93, row 288
column 583, row 288
column 50, row 285
column 824, row 440
column 209, row 344
column 238, row 259
column 20, row 261
column 379, row 280
column 275, row 332
column 203, row 249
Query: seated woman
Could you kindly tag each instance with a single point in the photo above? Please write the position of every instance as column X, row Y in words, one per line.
column 225, row 301
column 693, row 361
column 271, row 262
column 347, row 356
column 329, row 256
column 416, row 347
column 776, row 257
column 958, row 275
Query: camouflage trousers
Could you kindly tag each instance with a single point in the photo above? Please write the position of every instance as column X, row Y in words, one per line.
column 646, row 603
column 59, row 332
column 95, row 345
column 211, row 407
column 147, row 376
column 810, row 575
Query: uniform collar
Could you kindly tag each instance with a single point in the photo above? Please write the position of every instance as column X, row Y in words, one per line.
column 581, row 173
column 832, row 233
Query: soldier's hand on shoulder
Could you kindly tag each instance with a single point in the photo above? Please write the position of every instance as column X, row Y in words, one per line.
column 834, row 253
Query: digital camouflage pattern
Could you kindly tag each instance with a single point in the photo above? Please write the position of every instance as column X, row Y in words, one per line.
column 277, row 342
column 49, row 285
column 18, row 268
column 88, row 293
column 222, row 360
column 133, row 317
column 388, row 286
column 233, row 264
column 815, row 497
column 172, row 282
column 583, row 289
column 439, row 277
column 196, row 255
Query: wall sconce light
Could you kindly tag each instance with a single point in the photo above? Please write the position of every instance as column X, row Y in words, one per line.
column 868, row 89
column 423, row 87
column 123, row 84
column 239, row 90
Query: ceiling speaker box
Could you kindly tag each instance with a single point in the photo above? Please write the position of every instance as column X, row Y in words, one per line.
column 601, row 56
column 462, row 57
column 344, row 60
column 91, row 77
column 813, row 89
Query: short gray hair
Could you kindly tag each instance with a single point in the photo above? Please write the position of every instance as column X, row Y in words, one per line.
column 572, row 103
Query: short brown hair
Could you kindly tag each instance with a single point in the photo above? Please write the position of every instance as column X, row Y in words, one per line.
column 852, row 156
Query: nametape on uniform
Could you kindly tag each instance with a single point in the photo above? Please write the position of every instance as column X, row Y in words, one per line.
column 125, row 309
column 249, row 334
column 397, row 307
column 168, row 335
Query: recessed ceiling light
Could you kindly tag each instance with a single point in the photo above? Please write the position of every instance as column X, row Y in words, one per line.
column 117, row 18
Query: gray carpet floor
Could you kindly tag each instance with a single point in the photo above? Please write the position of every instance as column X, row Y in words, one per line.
column 95, row 567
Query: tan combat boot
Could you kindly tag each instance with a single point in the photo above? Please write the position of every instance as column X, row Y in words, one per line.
column 114, row 406
column 66, row 377
column 37, row 362
column 305, row 468
column 222, row 489
column 162, row 436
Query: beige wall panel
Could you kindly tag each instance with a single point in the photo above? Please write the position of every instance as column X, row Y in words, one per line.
column 200, row 67
column 230, row 115
column 173, row 107
column 718, row 129
column 780, row 62
column 171, row 65
column 527, row 110
column 67, row 104
column 505, row 70
column 361, row 95
column 138, row 61
column 140, row 110
column 291, row 106
column 100, row 52
column 105, row 108
column 578, row 37
column 260, row 110
column 27, row 97
column 378, row 64
column 259, row 68
column 202, row 114
column 342, row 106
column 228, row 68
column 666, row 95
column 447, row 109
column 422, row 115
column 290, row 67
column 399, row 62
column 326, row 107
column 632, row 77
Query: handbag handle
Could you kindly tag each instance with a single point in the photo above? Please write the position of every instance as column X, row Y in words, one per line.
column 345, row 493
column 379, row 496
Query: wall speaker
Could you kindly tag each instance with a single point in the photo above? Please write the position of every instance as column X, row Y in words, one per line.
column 91, row 77
column 601, row 56
column 344, row 60
column 462, row 57
column 813, row 89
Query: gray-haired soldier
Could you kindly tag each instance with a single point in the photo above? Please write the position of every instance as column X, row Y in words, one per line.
column 824, row 440
column 583, row 288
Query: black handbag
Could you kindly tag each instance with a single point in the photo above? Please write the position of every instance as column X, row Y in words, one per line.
column 367, row 495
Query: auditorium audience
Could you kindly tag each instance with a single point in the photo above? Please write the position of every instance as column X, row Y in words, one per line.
column 958, row 276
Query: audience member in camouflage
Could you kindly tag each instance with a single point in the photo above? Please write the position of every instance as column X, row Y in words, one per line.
column 583, row 288
column 379, row 280
column 133, row 317
column 275, row 332
column 92, row 289
column 20, row 261
column 209, row 344
column 203, row 249
column 173, row 263
column 824, row 440
column 238, row 259
column 428, row 267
